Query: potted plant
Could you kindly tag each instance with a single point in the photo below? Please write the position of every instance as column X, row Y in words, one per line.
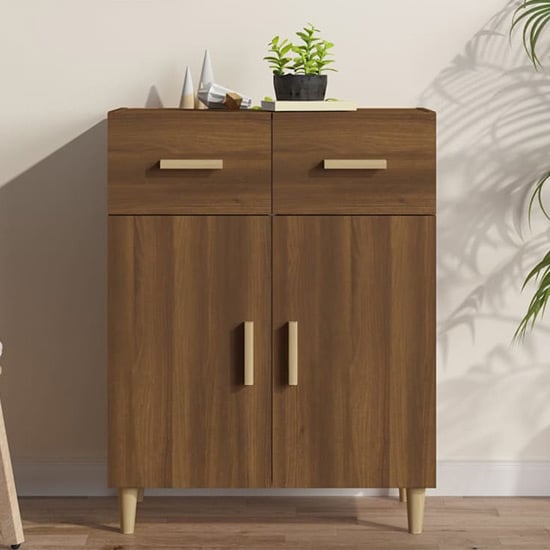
column 533, row 16
column 298, row 68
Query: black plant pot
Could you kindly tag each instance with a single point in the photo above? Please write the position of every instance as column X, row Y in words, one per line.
column 300, row 87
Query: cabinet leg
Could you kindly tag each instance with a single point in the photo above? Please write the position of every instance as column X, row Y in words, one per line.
column 128, row 503
column 10, row 519
column 415, row 510
column 140, row 494
column 402, row 495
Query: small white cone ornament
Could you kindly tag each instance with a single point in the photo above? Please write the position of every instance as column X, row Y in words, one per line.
column 207, row 77
column 188, row 94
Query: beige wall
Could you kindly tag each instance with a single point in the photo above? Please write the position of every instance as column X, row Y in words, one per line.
column 65, row 63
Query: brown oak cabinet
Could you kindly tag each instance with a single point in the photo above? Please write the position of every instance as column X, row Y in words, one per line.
column 271, row 301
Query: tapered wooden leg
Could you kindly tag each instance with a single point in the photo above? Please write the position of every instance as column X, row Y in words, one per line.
column 140, row 495
column 402, row 495
column 415, row 509
column 10, row 520
column 128, row 503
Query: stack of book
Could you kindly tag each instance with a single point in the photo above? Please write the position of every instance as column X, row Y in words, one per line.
column 331, row 105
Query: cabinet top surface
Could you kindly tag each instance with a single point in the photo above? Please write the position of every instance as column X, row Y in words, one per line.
column 256, row 112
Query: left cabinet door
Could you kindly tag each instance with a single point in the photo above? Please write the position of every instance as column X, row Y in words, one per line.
column 180, row 290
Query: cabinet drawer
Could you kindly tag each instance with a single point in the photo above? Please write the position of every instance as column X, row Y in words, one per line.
column 227, row 168
column 379, row 162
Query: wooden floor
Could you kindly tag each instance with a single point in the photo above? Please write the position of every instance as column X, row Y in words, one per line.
column 281, row 523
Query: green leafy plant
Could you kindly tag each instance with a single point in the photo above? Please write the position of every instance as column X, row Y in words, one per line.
column 310, row 56
column 539, row 301
column 279, row 60
column 540, row 273
column 534, row 16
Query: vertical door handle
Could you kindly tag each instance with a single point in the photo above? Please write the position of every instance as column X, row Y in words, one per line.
column 293, row 353
column 249, row 353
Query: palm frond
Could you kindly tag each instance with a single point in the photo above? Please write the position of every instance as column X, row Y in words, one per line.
column 540, row 273
column 534, row 15
column 537, row 306
column 537, row 197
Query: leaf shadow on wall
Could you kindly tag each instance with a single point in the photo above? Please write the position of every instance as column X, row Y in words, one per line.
column 52, row 302
column 493, row 143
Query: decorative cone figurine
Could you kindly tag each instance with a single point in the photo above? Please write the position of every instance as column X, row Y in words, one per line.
column 207, row 77
column 188, row 94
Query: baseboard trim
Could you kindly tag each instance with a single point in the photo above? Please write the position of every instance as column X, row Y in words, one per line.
column 81, row 477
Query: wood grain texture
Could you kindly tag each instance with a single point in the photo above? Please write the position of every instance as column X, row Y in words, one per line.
column 140, row 138
column 363, row 292
column 180, row 289
column 287, row 523
column 404, row 137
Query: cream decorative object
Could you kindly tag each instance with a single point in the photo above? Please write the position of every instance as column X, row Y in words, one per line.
column 206, row 78
column 187, row 100
column 214, row 95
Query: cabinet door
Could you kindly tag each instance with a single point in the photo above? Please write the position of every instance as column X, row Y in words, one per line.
column 180, row 289
column 362, row 291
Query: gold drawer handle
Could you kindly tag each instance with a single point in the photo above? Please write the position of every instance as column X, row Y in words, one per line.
column 249, row 353
column 191, row 164
column 293, row 353
column 355, row 164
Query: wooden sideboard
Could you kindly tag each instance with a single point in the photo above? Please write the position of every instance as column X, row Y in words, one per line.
column 271, row 301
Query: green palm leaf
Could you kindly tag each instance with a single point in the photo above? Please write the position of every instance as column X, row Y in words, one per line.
column 534, row 15
column 537, row 197
column 537, row 306
column 540, row 273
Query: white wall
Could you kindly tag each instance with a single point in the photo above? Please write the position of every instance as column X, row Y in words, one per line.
column 65, row 63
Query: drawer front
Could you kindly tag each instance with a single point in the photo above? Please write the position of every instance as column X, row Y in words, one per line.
column 170, row 161
column 379, row 161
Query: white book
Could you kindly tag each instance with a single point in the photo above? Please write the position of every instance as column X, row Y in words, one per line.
column 309, row 106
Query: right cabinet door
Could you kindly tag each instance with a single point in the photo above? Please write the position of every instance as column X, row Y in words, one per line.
column 359, row 292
